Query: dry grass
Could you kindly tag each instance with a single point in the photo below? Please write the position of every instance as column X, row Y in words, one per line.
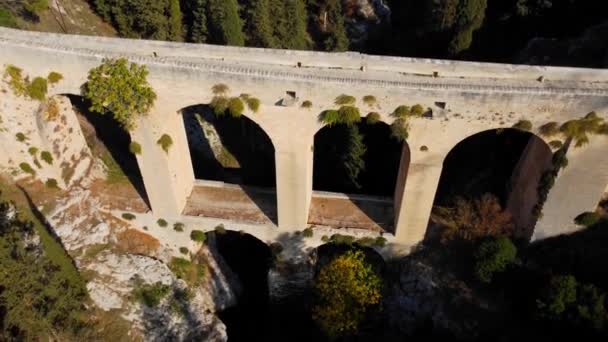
column 135, row 242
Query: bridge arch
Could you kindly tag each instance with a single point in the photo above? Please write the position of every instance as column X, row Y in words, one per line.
column 506, row 163
column 233, row 161
column 359, row 172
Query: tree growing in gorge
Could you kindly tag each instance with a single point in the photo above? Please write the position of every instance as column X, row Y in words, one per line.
column 120, row 88
column 223, row 22
column 346, row 287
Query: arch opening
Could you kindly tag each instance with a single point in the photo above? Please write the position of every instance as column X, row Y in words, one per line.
column 355, row 174
column 233, row 160
column 110, row 144
column 499, row 166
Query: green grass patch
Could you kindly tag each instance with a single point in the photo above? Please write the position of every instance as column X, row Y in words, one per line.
column 151, row 294
column 191, row 272
column 37, row 89
column 7, row 19
column 54, row 77
column 198, row 236
column 114, row 173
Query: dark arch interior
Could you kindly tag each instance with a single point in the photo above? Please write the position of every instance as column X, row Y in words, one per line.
column 232, row 150
column 486, row 162
column 382, row 157
column 250, row 259
column 115, row 141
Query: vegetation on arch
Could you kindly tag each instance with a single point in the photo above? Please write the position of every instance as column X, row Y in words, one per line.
column 120, row 88
column 347, row 288
column 21, row 85
column 577, row 130
column 473, row 219
column 222, row 104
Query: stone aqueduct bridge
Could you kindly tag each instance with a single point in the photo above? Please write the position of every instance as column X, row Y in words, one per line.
column 183, row 74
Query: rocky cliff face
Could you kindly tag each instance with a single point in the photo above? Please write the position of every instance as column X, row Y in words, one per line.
column 364, row 18
column 79, row 209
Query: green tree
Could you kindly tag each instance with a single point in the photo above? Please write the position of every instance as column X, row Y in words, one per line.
column 34, row 7
column 353, row 159
column 336, row 38
column 175, row 21
column 259, row 24
column 493, row 257
column 346, row 289
column 7, row 19
column 558, row 295
column 295, row 36
column 223, row 22
column 197, row 18
column 120, row 88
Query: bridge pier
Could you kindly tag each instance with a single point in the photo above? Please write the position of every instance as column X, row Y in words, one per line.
column 414, row 202
column 294, row 167
column 578, row 188
column 168, row 176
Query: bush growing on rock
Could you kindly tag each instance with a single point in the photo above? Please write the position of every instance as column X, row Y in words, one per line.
column 178, row 227
column 162, row 223
column 220, row 89
column 587, row 219
column 417, row 110
column 15, row 80
column 165, row 142
column 494, row 256
column 120, row 88
column 235, row 107
column 400, row 129
column 219, row 229
column 47, row 157
column 307, row 233
column 372, row 118
column 342, row 239
column 51, row 183
column 307, row 104
column 198, row 236
column 20, row 137
column 54, row 77
column 345, row 100
column 253, row 104
column 191, row 272
column 135, row 148
column 349, row 115
column 25, row 167
column 128, row 216
column 184, row 250
column 369, row 100
column 524, row 125
column 549, row 129
column 347, row 287
column 151, row 295
column 219, row 105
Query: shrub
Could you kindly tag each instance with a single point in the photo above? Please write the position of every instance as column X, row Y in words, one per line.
column 162, row 223
column 344, row 100
column 151, row 294
column 47, row 157
column 25, row 167
column 51, row 183
column 219, row 104
column 524, row 125
column 307, row 104
column 556, row 144
column 120, row 88
column 307, row 233
column 369, row 100
column 340, row 239
column 128, row 216
column 493, row 257
column 557, row 296
column 380, row 241
column 549, row 129
column 7, row 19
column 178, row 227
column 402, row 112
column 54, row 77
column 191, row 272
column 587, row 219
column 347, row 287
column 198, row 236
column 15, row 80
column 365, row 241
column 473, row 219
column 135, row 148
column 253, row 104
column 235, row 107
column 219, row 229
column 424, row 148
column 20, row 137
column 349, row 115
column 165, row 142
column 34, row 7
column 330, row 117
column 184, row 250
column 220, row 89
column 417, row 110
column 400, row 129
column 325, row 238
column 32, row 151
column 372, row 118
